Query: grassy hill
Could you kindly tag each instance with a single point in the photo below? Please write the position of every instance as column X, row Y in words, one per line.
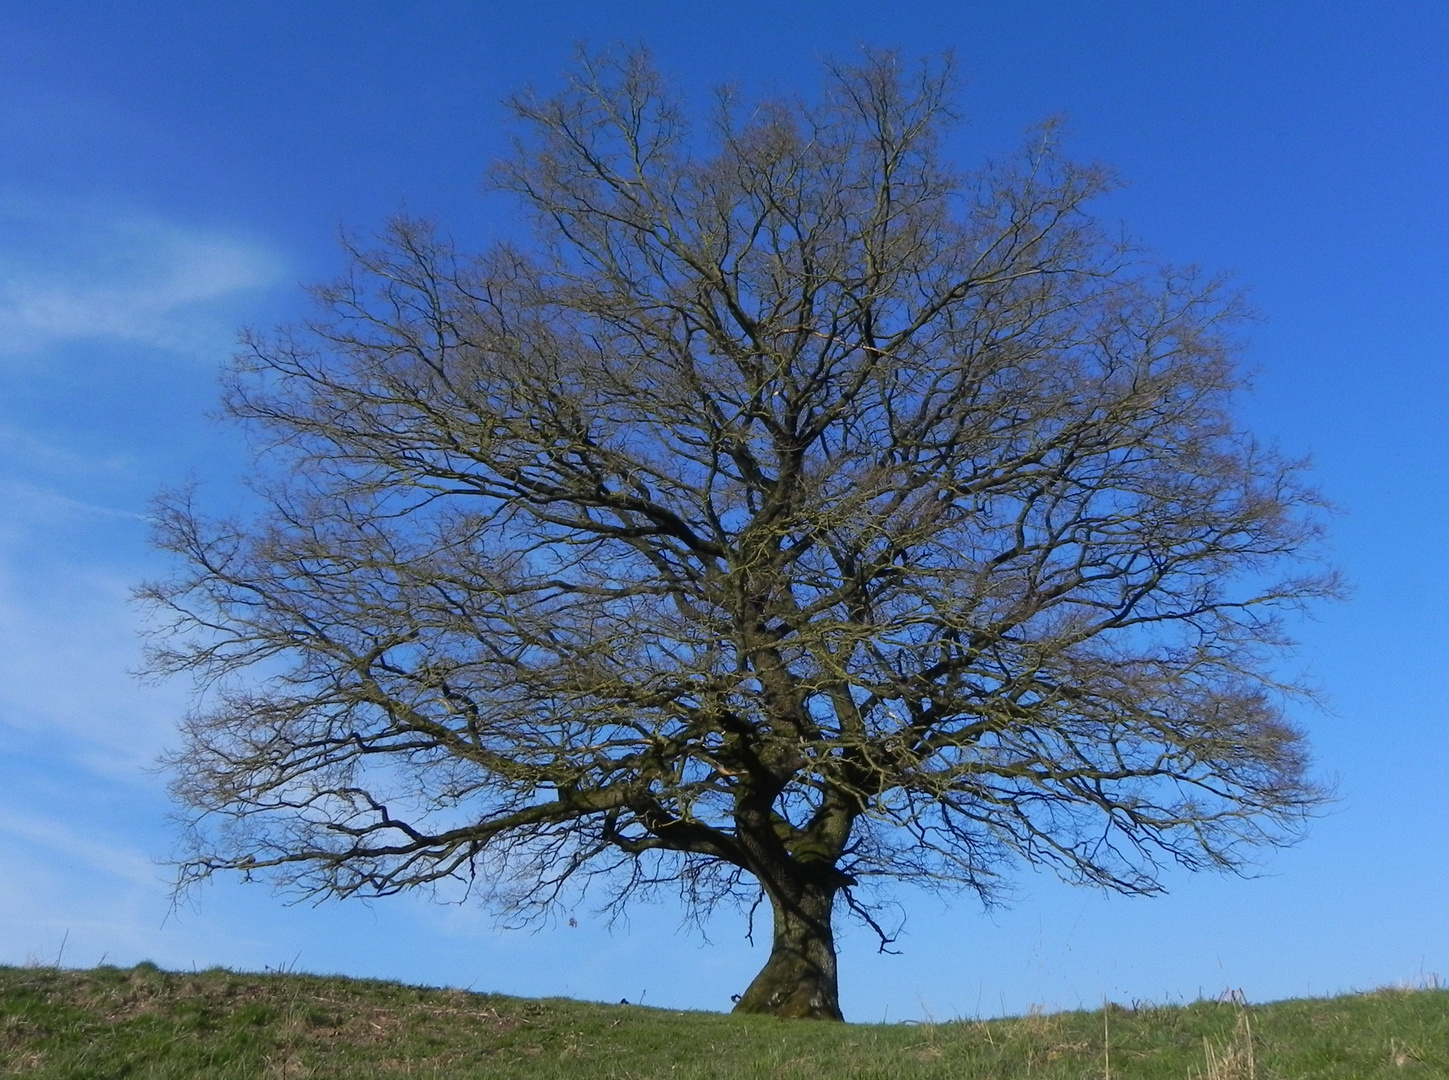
column 143, row 1022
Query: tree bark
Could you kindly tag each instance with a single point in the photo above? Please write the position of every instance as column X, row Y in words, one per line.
column 799, row 981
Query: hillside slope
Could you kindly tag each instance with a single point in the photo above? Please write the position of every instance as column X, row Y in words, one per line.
column 143, row 1022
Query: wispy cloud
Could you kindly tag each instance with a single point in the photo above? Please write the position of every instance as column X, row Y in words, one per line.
column 72, row 536
column 68, row 645
column 32, row 506
column 91, row 855
column 28, row 454
column 76, row 272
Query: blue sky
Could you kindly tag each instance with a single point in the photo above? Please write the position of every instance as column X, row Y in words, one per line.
column 171, row 171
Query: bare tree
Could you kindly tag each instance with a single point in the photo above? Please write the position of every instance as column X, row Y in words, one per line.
column 794, row 516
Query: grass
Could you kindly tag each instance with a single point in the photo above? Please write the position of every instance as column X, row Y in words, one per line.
column 144, row 1022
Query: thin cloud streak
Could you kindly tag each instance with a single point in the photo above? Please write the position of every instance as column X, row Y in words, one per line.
column 72, row 541
column 22, row 452
column 84, row 855
column 67, row 653
column 71, row 273
column 33, row 505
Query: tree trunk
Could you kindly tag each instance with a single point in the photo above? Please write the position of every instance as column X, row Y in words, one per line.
column 799, row 980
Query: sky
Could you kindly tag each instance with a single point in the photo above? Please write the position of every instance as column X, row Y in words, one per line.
column 173, row 171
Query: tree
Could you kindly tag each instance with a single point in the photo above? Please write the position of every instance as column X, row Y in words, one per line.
column 792, row 516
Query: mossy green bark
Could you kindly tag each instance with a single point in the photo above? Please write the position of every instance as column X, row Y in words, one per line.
column 800, row 979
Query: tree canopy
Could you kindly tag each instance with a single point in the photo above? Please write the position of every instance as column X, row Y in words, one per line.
column 793, row 514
